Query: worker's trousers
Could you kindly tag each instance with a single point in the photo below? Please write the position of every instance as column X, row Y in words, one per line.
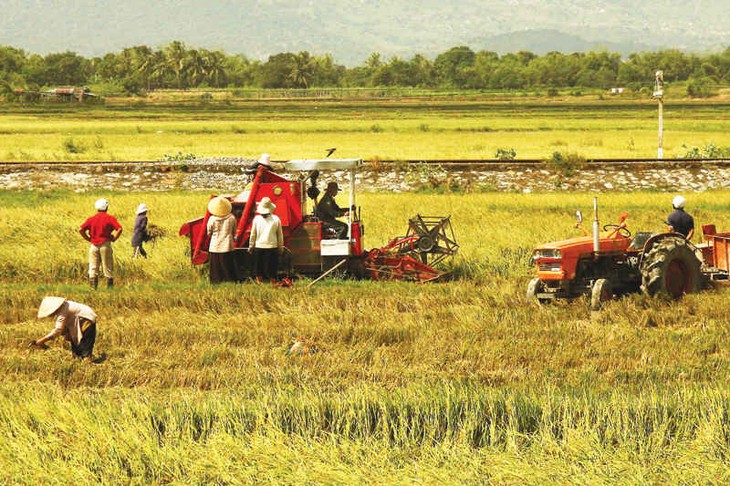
column 103, row 256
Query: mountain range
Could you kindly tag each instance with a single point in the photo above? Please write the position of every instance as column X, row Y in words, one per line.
column 351, row 30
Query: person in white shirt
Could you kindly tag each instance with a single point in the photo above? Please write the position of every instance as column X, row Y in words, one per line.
column 266, row 241
column 221, row 228
column 75, row 322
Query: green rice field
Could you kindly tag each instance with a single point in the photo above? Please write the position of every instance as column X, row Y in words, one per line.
column 407, row 129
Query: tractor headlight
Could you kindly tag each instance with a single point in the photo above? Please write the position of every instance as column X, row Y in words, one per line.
column 546, row 253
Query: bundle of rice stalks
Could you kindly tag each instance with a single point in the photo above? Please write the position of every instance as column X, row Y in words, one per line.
column 154, row 232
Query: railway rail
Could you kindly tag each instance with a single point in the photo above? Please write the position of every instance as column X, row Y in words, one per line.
column 226, row 166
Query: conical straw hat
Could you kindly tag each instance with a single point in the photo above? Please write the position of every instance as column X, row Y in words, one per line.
column 219, row 206
column 49, row 305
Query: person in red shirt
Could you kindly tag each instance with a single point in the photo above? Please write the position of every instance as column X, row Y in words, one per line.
column 100, row 230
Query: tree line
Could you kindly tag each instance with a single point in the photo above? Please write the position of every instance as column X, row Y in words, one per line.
column 140, row 69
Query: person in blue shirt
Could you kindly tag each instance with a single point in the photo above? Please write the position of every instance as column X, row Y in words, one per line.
column 679, row 221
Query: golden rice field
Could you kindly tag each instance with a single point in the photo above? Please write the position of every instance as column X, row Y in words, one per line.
column 438, row 128
column 454, row 382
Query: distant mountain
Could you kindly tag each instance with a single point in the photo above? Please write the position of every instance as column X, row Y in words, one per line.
column 542, row 41
column 352, row 29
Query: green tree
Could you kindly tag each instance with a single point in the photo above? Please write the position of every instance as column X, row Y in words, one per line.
column 454, row 66
column 302, row 70
column 176, row 61
column 276, row 71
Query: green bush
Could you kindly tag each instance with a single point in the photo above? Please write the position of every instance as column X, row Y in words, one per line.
column 566, row 164
column 505, row 154
column 700, row 87
column 710, row 151
column 72, row 147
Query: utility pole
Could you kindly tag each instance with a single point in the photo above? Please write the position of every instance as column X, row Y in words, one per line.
column 659, row 95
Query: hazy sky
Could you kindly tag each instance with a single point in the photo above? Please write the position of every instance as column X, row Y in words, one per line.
column 350, row 28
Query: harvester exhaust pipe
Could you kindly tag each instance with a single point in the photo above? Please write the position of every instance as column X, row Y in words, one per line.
column 596, row 244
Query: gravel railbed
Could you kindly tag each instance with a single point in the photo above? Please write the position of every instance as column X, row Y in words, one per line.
column 228, row 175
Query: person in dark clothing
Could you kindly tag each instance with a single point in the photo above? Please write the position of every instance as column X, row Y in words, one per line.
column 264, row 160
column 140, row 232
column 328, row 211
column 679, row 221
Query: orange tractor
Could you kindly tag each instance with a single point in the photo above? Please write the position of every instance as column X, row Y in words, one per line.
column 316, row 250
column 609, row 263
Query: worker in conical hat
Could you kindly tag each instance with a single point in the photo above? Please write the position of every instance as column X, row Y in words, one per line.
column 221, row 228
column 75, row 322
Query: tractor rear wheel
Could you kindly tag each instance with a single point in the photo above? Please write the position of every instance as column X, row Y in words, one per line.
column 601, row 292
column 672, row 268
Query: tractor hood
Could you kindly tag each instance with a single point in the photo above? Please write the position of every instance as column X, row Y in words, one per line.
column 323, row 164
column 583, row 244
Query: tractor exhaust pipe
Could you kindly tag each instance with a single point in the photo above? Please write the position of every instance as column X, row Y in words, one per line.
column 596, row 244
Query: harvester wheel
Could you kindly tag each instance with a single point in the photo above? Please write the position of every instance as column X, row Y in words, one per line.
column 535, row 287
column 601, row 292
column 671, row 267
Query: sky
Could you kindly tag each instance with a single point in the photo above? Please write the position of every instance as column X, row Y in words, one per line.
column 351, row 29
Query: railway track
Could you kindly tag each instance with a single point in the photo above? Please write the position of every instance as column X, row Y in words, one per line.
column 221, row 165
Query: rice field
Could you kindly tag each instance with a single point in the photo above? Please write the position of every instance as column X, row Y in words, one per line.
column 372, row 129
column 451, row 382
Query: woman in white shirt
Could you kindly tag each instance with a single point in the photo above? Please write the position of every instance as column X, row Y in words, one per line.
column 266, row 241
column 75, row 322
column 221, row 228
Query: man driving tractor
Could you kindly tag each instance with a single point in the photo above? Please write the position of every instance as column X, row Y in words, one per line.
column 679, row 221
column 328, row 210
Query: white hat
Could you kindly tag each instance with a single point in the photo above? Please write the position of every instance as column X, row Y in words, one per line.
column 265, row 159
column 142, row 208
column 101, row 204
column 678, row 202
column 49, row 305
column 265, row 206
column 220, row 206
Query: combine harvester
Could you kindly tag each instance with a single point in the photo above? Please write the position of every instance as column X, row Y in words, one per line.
column 610, row 263
column 314, row 249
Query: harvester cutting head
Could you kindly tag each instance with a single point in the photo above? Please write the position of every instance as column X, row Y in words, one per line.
column 428, row 242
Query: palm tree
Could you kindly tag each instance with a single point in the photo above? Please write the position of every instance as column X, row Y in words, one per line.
column 176, row 60
column 303, row 70
column 214, row 62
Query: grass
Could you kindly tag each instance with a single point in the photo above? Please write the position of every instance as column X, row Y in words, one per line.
column 457, row 381
column 386, row 129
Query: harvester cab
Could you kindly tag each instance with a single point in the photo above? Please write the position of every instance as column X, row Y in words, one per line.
column 314, row 250
column 311, row 249
column 608, row 262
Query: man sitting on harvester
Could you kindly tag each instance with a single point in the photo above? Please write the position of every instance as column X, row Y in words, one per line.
column 679, row 221
column 328, row 211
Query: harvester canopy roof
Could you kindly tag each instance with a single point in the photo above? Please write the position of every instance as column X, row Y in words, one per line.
column 323, row 164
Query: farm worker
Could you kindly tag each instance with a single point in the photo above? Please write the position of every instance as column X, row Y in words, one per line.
column 139, row 235
column 679, row 221
column 264, row 160
column 101, row 230
column 328, row 211
column 75, row 322
column 221, row 228
column 266, row 242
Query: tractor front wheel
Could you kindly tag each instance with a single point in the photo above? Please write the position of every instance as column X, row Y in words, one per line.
column 671, row 267
column 535, row 287
column 601, row 292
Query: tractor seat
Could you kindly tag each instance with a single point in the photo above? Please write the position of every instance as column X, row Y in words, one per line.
column 640, row 239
